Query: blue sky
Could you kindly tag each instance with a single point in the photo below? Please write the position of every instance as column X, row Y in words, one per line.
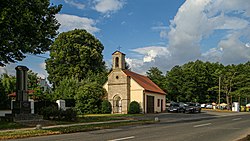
column 158, row 33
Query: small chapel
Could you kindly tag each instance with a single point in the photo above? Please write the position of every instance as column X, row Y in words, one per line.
column 124, row 86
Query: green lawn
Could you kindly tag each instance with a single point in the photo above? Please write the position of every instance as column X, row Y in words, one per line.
column 80, row 119
column 10, row 125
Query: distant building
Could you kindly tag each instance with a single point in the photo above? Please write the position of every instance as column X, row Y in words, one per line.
column 44, row 85
column 124, row 86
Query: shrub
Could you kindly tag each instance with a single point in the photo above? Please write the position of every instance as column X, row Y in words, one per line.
column 106, row 107
column 42, row 105
column 50, row 112
column 53, row 113
column 69, row 115
column 134, row 108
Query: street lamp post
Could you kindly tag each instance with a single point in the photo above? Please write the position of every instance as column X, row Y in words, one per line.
column 219, row 91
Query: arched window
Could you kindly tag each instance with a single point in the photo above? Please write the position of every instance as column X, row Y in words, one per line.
column 117, row 62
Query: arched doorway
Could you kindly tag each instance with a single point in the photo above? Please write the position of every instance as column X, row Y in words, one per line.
column 117, row 104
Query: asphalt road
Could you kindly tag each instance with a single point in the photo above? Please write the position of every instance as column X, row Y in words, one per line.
column 210, row 127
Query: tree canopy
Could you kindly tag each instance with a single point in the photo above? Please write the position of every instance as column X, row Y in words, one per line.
column 27, row 26
column 76, row 54
column 199, row 82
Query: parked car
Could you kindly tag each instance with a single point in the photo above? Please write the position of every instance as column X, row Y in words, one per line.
column 203, row 105
column 174, row 107
column 197, row 107
column 178, row 107
column 192, row 107
column 209, row 106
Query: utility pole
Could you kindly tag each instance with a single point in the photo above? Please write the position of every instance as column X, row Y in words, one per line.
column 219, row 91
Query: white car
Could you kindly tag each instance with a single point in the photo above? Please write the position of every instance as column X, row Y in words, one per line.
column 209, row 106
column 203, row 105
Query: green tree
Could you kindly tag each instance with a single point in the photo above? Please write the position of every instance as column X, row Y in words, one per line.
column 74, row 54
column 34, row 85
column 156, row 76
column 3, row 96
column 174, row 82
column 7, row 86
column 32, row 80
column 9, row 83
column 89, row 97
column 27, row 26
column 66, row 89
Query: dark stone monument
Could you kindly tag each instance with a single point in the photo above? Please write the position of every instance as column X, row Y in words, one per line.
column 21, row 105
column 21, row 111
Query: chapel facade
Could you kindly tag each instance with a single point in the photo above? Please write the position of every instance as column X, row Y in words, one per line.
column 124, row 86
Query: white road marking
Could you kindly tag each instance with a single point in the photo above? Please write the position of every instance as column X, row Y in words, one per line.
column 236, row 119
column 125, row 138
column 201, row 125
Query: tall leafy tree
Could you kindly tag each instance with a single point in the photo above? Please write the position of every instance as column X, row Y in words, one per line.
column 174, row 82
column 7, row 86
column 156, row 76
column 27, row 26
column 66, row 89
column 89, row 97
column 74, row 54
column 8, row 83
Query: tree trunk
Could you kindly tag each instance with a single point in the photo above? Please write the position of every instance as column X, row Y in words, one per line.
column 228, row 104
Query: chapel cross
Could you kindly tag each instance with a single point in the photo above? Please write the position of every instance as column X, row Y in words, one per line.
column 119, row 48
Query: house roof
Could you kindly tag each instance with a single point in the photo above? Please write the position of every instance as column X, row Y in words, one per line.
column 144, row 81
column 29, row 92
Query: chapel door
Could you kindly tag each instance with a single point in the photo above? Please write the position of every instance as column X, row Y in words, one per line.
column 150, row 104
column 161, row 105
column 117, row 104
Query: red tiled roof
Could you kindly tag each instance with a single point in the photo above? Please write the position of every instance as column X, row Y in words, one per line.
column 14, row 93
column 144, row 81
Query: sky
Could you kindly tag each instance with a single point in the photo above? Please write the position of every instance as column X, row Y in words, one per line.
column 157, row 33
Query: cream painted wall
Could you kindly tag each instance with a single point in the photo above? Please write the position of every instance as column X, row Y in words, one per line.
column 156, row 97
column 137, row 93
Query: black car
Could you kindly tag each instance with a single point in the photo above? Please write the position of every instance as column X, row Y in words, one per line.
column 176, row 107
column 192, row 107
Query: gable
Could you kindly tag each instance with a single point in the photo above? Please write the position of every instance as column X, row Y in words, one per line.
column 135, row 85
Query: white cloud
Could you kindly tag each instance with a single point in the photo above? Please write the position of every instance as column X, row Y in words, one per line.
column 150, row 53
column 247, row 44
column 43, row 66
column 212, row 55
column 162, row 29
column 196, row 21
column 108, row 6
column 71, row 22
column 75, row 4
column 9, row 69
column 234, row 50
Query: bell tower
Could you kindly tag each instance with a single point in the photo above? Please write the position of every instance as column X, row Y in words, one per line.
column 118, row 59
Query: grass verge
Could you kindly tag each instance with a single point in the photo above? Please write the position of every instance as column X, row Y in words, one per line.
column 64, row 130
column 247, row 138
